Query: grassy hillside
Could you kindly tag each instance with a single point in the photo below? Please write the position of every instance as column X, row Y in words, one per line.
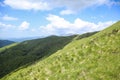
column 29, row 51
column 5, row 43
column 94, row 58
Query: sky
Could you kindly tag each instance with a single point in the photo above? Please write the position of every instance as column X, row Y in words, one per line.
column 30, row 18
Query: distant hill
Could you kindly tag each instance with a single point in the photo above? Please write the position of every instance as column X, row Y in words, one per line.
column 94, row 57
column 5, row 42
column 24, row 38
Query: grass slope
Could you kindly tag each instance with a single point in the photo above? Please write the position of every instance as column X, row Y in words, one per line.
column 7, row 47
column 93, row 58
column 29, row 51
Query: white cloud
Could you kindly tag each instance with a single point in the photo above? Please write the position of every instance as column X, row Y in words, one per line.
column 70, row 6
column 9, row 18
column 57, row 21
column 24, row 25
column 4, row 26
column 60, row 26
column 66, row 12
column 27, row 4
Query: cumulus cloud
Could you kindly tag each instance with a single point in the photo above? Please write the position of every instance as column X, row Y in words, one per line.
column 9, row 18
column 24, row 25
column 60, row 26
column 68, row 5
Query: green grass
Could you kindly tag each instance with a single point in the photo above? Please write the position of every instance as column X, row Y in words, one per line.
column 94, row 58
column 7, row 47
column 25, row 53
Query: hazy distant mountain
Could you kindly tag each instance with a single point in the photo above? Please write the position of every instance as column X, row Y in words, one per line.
column 22, row 39
column 5, row 42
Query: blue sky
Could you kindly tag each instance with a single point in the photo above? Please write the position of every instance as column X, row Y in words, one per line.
column 29, row 18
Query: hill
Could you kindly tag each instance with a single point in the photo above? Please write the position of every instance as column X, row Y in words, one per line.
column 30, row 51
column 92, row 58
column 5, row 43
column 27, row 52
